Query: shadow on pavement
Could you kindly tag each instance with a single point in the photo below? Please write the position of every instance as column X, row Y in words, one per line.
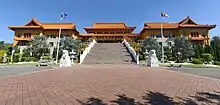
column 157, row 98
column 92, row 101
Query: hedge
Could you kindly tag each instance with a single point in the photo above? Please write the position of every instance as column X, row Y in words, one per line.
column 216, row 63
column 196, row 61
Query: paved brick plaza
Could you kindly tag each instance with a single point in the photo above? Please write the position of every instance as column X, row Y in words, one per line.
column 108, row 84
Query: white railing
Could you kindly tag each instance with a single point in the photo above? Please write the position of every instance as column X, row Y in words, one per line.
column 86, row 51
column 131, row 50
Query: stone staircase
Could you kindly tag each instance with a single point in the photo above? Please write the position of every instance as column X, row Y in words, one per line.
column 108, row 53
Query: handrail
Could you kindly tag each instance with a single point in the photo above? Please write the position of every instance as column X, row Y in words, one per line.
column 131, row 50
column 86, row 51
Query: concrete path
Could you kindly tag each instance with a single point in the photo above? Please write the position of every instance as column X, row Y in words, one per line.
column 208, row 72
column 109, row 84
column 20, row 69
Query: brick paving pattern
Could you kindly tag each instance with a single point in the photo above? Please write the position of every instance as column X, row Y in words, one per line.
column 109, row 85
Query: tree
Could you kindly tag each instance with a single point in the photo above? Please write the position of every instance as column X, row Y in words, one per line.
column 199, row 50
column 2, row 53
column 152, row 44
column 168, row 53
column 182, row 49
column 1, row 45
column 70, row 44
column 209, row 49
column 39, row 46
column 215, row 43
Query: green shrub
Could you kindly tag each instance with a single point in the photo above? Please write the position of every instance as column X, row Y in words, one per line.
column 216, row 63
column 196, row 61
column 47, row 57
column 32, row 59
column 16, row 57
column 207, row 57
column 23, row 59
column 28, row 59
column 141, row 57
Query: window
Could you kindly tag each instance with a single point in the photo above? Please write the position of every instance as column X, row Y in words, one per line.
column 169, row 43
column 53, row 36
column 23, row 43
column 67, row 35
column 19, row 35
column 37, row 33
column 194, row 34
column 51, row 44
column 166, row 36
column 158, row 36
column 61, row 36
column 27, row 35
column 152, row 36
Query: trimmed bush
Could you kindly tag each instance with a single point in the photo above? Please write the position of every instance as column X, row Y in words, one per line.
column 216, row 63
column 196, row 61
column 207, row 57
column 47, row 57
column 29, row 59
column 32, row 59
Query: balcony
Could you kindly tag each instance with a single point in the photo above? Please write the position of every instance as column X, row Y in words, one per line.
column 198, row 38
column 22, row 38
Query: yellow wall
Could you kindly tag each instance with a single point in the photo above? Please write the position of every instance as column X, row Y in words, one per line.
column 64, row 32
column 178, row 32
column 33, row 32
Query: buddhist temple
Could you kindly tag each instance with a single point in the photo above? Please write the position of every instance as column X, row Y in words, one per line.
column 113, row 32
column 23, row 34
column 109, row 32
column 197, row 33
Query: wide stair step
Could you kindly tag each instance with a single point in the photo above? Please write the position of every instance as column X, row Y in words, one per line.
column 108, row 53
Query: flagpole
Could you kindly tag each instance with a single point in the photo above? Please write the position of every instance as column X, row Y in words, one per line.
column 12, row 53
column 58, row 46
column 161, row 27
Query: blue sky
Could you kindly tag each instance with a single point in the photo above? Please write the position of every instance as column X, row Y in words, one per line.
column 86, row 12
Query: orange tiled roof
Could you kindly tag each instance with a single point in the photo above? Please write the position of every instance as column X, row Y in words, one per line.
column 187, row 22
column 14, row 27
column 109, row 26
column 158, row 25
column 36, row 24
column 58, row 25
column 108, row 34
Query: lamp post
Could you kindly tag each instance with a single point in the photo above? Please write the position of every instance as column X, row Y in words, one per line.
column 161, row 26
column 72, row 56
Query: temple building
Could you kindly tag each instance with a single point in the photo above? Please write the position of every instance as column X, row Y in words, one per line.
column 109, row 32
column 197, row 33
column 112, row 32
column 23, row 34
